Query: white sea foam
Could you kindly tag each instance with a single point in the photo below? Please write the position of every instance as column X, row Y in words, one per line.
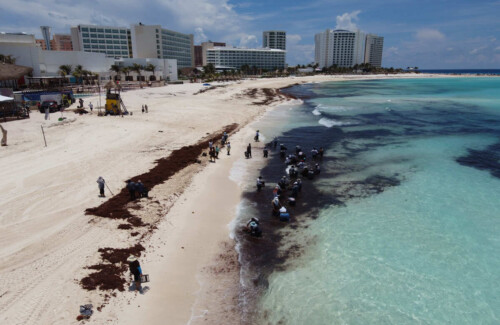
column 316, row 111
column 330, row 123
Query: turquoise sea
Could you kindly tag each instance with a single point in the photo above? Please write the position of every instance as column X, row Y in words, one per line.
column 402, row 226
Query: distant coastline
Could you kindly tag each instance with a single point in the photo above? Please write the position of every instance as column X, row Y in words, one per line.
column 462, row 71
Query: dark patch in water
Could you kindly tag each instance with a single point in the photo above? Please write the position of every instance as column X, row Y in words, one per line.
column 487, row 159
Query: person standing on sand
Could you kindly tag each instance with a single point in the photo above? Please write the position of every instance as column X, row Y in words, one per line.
column 228, row 146
column 249, row 150
column 100, row 183
column 146, row 108
column 142, row 109
column 91, row 107
column 47, row 113
column 135, row 269
column 210, row 144
column 266, row 152
column 131, row 189
column 4, row 136
column 217, row 152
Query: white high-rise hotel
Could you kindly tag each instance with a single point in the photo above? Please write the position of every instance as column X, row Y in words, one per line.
column 346, row 48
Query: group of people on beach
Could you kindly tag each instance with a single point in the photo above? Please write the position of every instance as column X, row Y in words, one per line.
column 287, row 189
column 145, row 108
column 214, row 149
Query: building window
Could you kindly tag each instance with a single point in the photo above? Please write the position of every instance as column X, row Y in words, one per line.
column 85, row 35
column 115, row 30
column 123, row 31
column 85, row 29
column 107, row 30
column 86, row 40
column 92, row 30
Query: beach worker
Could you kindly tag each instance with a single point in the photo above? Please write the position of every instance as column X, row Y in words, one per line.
column 314, row 153
column 217, row 152
column 256, row 138
column 321, row 151
column 131, row 189
column 142, row 109
column 91, row 106
column 284, row 215
column 275, row 203
column 249, row 150
column 295, row 189
column 4, row 136
column 299, row 184
column 136, row 271
column 228, row 147
column 141, row 189
column 47, row 113
column 260, row 183
column 276, row 191
column 253, row 227
column 266, row 152
column 146, row 108
column 100, row 183
column 212, row 154
column 317, row 169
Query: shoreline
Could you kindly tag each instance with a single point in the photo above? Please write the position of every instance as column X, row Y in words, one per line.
column 56, row 236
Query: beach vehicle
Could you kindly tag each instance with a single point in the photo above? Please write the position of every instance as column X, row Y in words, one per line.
column 51, row 105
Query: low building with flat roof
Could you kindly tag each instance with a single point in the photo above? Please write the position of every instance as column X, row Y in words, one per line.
column 235, row 58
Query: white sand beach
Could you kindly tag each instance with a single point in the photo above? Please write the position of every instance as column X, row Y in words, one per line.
column 48, row 240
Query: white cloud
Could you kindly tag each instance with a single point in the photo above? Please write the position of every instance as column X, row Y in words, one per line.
column 293, row 38
column 346, row 21
column 199, row 35
column 477, row 50
column 428, row 34
column 248, row 41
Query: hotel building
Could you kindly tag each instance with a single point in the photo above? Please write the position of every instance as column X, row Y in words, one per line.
column 373, row 50
column 112, row 41
column 59, row 42
column 234, row 58
column 153, row 41
column 339, row 47
column 274, row 39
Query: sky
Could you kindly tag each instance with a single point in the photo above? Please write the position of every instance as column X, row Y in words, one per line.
column 429, row 34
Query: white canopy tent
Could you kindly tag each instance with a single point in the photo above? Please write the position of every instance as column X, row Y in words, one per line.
column 5, row 99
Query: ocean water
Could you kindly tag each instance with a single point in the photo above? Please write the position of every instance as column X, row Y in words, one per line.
column 402, row 226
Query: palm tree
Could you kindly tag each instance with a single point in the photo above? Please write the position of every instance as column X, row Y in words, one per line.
column 116, row 69
column 151, row 68
column 9, row 59
column 65, row 69
column 78, row 73
column 137, row 69
column 126, row 71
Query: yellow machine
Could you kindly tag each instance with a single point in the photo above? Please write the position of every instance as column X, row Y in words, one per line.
column 114, row 104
